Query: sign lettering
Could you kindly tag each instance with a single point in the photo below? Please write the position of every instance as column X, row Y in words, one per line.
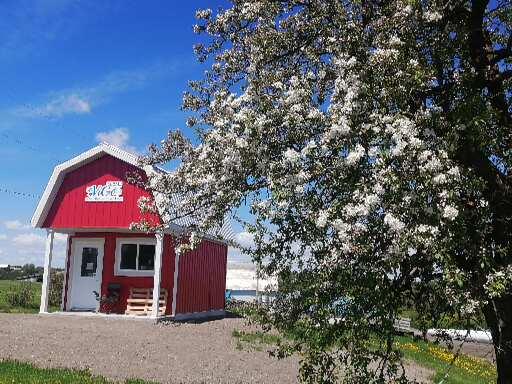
column 111, row 191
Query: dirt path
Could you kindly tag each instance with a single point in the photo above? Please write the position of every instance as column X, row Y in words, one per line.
column 120, row 349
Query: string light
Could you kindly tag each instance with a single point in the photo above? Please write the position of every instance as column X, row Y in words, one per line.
column 17, row 140
column 19, row 194
column 31, row 111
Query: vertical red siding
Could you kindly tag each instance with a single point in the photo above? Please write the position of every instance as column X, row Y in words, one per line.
column 108, row 275
column 70, row 210
column 202, row 279
column 202, row 273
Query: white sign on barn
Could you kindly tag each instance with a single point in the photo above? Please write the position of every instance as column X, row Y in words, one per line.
column 111, row 191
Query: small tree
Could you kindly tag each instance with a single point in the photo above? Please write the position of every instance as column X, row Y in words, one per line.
column 21, row 294
column 372, row 141
column 56, row 287
column 29, row 269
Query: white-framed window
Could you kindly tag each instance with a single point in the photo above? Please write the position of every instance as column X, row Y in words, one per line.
column 135, row 256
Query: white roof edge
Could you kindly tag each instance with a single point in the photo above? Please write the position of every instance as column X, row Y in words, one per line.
column 60, row 171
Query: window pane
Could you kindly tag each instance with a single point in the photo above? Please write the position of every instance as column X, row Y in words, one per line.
column 89, row 262
column 146, row 257
column 128, row 256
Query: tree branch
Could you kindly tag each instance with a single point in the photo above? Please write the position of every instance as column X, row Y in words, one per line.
column 503, row 53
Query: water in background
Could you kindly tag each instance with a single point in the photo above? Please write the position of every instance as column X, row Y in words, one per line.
column 243, row 294
column 246, row 295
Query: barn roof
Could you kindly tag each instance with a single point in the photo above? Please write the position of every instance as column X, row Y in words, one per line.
column 60, row 171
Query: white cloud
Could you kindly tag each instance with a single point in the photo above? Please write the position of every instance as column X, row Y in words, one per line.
column 20, row 244
column 82, row 100
column 241, row 271
column 29, row 240
column 245, row 278
column 33, row 239
column 29, row 247
column 15, row 225
column 245, row 239
column 60, row 106
column 120, row 137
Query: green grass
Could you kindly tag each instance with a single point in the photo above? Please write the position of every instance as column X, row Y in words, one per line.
column 16, row 372
column 32, row 308
column 254, row 340
column 465, row 370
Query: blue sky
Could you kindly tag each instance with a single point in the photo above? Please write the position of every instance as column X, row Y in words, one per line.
column 74, row 72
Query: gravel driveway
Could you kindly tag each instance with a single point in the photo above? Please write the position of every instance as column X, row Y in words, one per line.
column 120, row 349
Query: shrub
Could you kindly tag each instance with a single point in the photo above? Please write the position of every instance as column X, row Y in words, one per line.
column 241, row 308
column 56, row 286
column 21, row 295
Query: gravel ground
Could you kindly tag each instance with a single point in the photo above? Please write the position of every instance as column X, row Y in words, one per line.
column 167, row 353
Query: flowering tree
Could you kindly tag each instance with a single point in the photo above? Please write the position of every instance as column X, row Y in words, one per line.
column 372, row 140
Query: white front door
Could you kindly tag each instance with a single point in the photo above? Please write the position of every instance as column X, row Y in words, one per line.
column 86, row 273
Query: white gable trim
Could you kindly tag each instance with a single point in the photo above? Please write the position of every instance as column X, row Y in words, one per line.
column 61, row 170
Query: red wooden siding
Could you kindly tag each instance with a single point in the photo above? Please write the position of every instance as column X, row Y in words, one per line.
column 70, row 210
column 126, row 282
column 202, row 273
column 202, row 279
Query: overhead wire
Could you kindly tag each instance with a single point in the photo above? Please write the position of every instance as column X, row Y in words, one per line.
column 19, row 194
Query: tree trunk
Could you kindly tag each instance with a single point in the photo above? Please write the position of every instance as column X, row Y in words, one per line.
column 498, row 315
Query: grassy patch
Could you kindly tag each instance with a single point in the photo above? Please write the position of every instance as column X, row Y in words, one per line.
column 33, row 307
column 16, row 372
column 464, row 370
column 254, row 340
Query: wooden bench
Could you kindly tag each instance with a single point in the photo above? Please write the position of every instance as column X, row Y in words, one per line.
column 140, row 302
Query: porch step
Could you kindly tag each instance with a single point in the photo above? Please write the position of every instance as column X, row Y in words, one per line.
column 140, row 301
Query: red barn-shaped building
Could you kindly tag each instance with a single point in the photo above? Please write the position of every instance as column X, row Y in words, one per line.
column 90, row 199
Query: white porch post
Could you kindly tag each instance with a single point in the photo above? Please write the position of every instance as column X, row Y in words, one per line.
column 175, row 283
column 47, row 270
column 158, row 274
column 66, row 271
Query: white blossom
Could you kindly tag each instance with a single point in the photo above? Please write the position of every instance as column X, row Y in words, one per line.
column 440, row 179
column 394, row 224
column 292, row 156
column 450, row 212
column 341, row 129
column 355, row 155
column 432, row 16
column 321, row 220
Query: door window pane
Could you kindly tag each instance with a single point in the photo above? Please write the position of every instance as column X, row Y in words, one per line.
column 146, row 257
column 89, row 262
column 128, row 256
